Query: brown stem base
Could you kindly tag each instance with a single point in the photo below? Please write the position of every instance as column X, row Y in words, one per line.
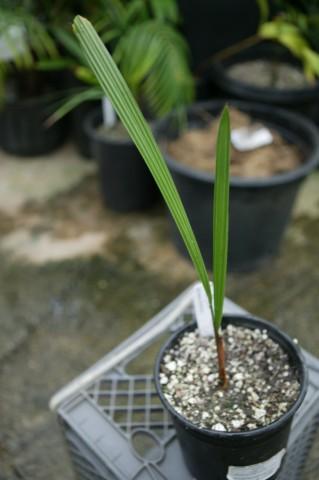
column 221, row 359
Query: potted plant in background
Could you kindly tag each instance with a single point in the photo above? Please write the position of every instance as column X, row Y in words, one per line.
column 231, row 447
column 153, row 59
column 265, row 178
column 210, row 27
column 279, row 64
column 27, row 92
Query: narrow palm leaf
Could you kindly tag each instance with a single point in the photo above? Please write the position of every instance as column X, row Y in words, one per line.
column 221, row 215
column 117, row 91
column 73, row 101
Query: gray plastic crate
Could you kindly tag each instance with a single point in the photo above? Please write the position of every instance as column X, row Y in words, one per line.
column 115, row 426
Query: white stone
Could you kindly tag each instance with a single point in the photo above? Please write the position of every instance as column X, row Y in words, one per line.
column 171, row 366
column 259, row 413
column 219, row 427
column 237, row 423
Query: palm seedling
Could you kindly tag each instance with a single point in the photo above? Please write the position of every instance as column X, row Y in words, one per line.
column 115, row 88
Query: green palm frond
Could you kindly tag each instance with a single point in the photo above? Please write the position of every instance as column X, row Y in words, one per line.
column 165, row 10
column 67, row 40
column 115, row 88
column 153, row 58
column 74, row 100
column 148, row 49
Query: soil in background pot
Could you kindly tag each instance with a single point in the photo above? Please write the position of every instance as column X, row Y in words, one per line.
column 195, row 148
column 115, row 133
column 126, row 183
column 270, row 74
column 267, row 73
column 262, row 384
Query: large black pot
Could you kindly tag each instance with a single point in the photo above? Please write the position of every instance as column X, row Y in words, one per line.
column 126, row 183
column 22, row 127
column 259, row 208
column 304, row 100
column 211, row 454
column 211, row 26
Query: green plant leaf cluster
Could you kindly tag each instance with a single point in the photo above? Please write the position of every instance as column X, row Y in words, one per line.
column 296, row 27
column 38, row 44
column 148, row 49
column 117, row 90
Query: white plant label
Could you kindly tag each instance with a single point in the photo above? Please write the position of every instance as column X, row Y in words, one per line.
column 12, row 41
column 249, row 138
column 260, row 471
column 109, row 115
column 202, row 311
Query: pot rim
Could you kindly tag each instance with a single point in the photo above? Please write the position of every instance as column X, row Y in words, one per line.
column 257, row 432
column 303, row 124
column 92, row 121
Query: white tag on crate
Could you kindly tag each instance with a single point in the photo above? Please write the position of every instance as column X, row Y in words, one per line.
column 260, row 471
column 202, row 311
column 249, row 138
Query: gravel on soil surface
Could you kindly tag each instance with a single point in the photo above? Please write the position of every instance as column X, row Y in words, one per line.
column 262, row 384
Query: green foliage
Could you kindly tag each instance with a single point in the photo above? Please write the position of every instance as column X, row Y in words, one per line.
column 116, row 89
column 38, row 43
column 297, row 28
column 221, row 215
column 263, row 9
column 148, row 49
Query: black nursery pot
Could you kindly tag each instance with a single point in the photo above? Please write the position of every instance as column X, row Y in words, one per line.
column 303, row 100
column 260, row 208
column 210, row 26
column 79, row 135
column 23, row 131
column 126, row 183
column 210, row 454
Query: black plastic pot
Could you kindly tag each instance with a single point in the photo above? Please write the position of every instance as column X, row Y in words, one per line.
column 303, row 100
column 126, row 183
column 211, row 26
column 259, row 208
column 23, row 131
column 80, row 137
column 210, row 454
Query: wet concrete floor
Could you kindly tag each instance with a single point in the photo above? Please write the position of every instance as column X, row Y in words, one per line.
column 76, row 279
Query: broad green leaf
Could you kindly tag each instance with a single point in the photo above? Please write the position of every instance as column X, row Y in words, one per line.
column 221, row 215
column 116, row 89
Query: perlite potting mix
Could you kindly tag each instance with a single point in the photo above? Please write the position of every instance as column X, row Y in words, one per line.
column 261, row 383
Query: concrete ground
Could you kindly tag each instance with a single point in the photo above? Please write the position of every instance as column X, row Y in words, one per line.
column 76, row 279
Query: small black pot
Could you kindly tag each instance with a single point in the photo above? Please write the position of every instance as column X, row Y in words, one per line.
column 78, row 132
column 126, row 182
column 210, row 454
column 23, row 131
column 303, row 100
column 259, row 208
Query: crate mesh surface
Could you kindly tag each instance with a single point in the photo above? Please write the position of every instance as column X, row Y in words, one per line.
column 132, row 403
column 117, row 429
